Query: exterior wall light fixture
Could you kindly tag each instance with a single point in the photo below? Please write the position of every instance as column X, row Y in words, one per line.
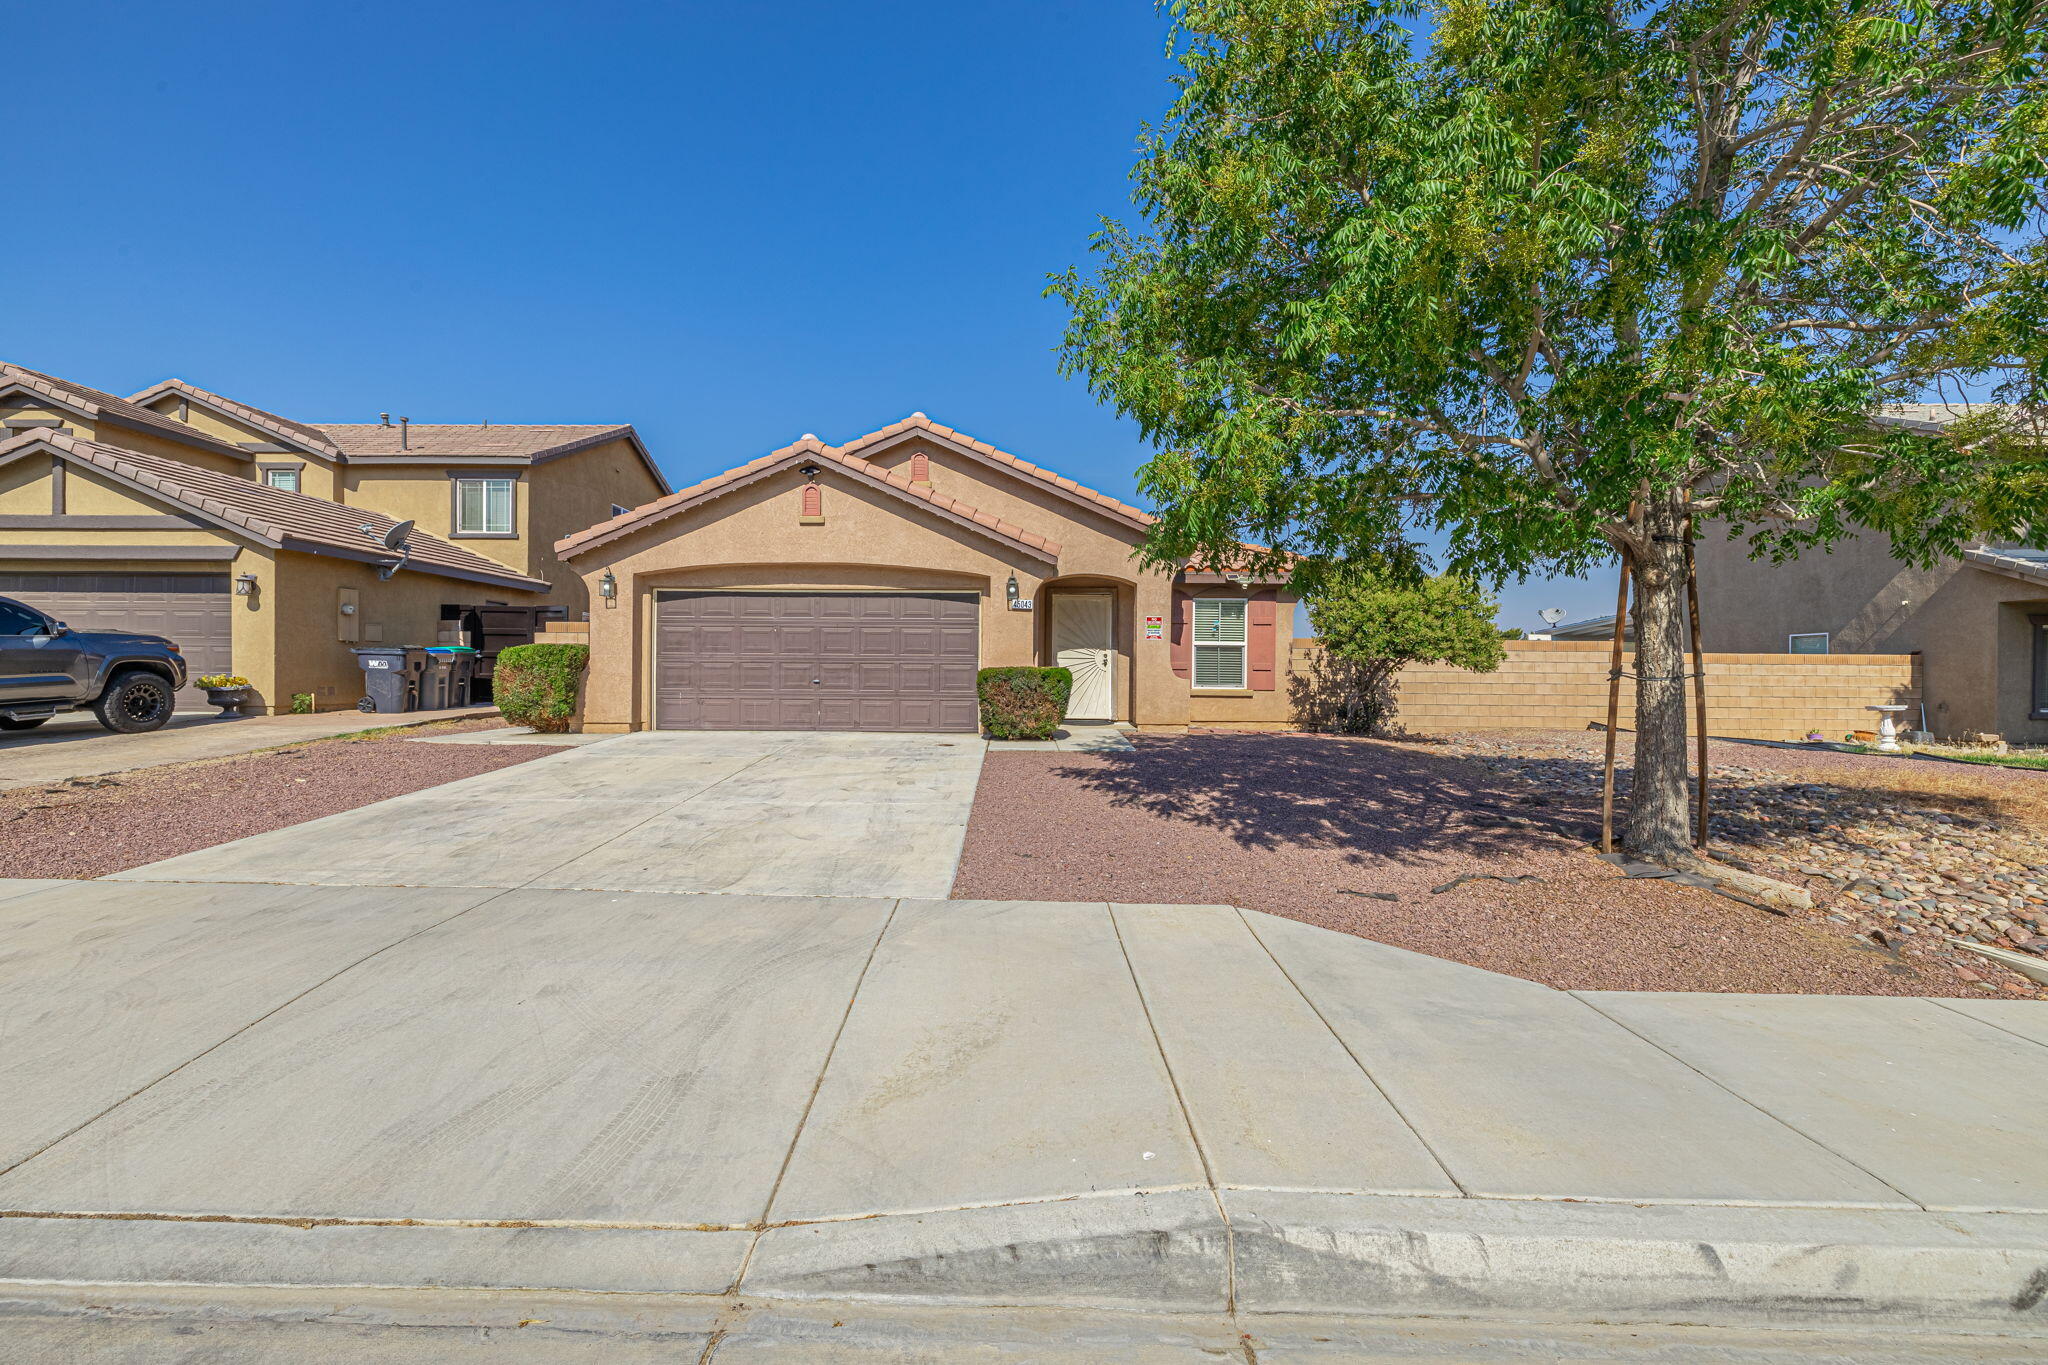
column 245, row 585
column 608, row 588
column 1010, row 588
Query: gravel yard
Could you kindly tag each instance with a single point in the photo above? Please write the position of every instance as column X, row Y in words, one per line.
column 1475, row 848
column 93, row 826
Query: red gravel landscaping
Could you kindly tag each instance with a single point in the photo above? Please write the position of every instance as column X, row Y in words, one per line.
column 1360, row 835
column 93, row 826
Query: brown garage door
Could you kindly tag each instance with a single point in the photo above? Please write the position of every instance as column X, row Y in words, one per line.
column 194, row 609
column 816, row 661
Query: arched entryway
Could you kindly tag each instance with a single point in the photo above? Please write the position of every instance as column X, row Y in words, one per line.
column 1085, row 626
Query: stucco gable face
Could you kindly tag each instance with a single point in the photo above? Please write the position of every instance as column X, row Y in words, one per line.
column 1011, row 494
column 765, row 524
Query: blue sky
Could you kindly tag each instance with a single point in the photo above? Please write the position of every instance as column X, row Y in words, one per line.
column 726, row 223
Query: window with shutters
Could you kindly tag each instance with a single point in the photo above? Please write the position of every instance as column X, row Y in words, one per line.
column 483, row 507
column 1219, row 642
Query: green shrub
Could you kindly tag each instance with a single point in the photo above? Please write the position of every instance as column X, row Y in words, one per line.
column 302, row 703
column 537, row 685
column 1023, row 703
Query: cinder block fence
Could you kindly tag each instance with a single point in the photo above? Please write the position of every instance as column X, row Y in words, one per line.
column 1562, row 685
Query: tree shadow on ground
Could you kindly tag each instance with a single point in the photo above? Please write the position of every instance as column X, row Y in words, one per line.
column 1360, row 797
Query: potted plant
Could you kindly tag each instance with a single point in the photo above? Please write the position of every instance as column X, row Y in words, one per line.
column 228, row 691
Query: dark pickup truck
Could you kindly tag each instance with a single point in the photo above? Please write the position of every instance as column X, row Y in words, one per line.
column 129, row 681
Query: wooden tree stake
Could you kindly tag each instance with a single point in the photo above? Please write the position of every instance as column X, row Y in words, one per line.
column 1613, row 709
column 1699, row 682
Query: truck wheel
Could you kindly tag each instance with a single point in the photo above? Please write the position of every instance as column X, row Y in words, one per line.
column 26, row 723
column 134, row 702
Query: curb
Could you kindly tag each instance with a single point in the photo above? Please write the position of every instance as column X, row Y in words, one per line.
column 1165, row 1252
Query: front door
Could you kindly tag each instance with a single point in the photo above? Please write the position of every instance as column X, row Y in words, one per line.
column 1084, row 643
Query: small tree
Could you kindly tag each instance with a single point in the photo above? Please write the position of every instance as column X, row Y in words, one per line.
column 1561, row 280
column 1370, row 627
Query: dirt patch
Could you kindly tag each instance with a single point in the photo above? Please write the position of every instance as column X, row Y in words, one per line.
column 1409, row 843
column 94, row 826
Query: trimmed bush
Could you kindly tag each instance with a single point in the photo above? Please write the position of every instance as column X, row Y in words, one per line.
column 538, row 685
column 1023, row 703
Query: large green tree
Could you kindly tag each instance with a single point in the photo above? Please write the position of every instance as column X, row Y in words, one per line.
column 1556, row 280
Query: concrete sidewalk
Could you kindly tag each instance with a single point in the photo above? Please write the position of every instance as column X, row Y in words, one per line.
column 76, row 746
column 1154, row 1108
column 755, row 813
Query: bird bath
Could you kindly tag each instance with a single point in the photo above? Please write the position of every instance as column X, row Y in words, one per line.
column 1887, row 729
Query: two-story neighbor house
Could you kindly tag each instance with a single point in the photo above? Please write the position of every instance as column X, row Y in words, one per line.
column 1979, row 621
column 257, row 541
column 860, row 586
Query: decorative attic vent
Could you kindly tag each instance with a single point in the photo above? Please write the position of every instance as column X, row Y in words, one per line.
column 813, row 513
column 921, row 469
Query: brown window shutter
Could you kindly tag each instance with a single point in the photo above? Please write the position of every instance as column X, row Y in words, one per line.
column 1182, row 648
column 1262, row 639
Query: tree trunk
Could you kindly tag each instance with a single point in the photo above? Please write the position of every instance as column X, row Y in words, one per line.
column 1658, row 827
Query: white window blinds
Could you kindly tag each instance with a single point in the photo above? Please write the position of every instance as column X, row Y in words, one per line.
column 483, row 507
column 1219, row 642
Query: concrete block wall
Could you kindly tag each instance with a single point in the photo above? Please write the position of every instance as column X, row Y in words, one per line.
column 1562, row 684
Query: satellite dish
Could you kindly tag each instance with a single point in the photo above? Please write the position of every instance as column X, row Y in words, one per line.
column 393, row 540
column 1551, row 615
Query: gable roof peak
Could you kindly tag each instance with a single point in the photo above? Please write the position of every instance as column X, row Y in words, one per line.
column 297, row 433
column 99, row 405
column 1135, row 517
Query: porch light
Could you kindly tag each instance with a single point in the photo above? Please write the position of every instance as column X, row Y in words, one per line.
column 1010, row 588
column 608, row 587
column 245, row 585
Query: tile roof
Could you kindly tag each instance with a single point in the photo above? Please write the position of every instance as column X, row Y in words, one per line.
column 298, row 433
column 918, row 422
column 809, row 447
column 273, row 516
column 2028, row 565
column 96, row 401
column 450, row 441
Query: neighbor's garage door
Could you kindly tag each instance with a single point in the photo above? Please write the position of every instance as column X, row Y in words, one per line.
column 194, row 609
column 816, row 661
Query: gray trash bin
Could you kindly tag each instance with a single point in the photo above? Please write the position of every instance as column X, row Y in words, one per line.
column 391, row 676
column 458, row 662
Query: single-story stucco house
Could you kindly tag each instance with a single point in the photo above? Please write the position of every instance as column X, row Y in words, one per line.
column 861, row 586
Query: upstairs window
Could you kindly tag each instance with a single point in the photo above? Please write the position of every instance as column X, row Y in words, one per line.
column 285, row 479
column 1815, row 643
column 483, row 507
column 1219, row 642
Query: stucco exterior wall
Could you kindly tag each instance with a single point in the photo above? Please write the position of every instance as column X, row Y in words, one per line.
column 25, row 487
column 1968, row 623
column 106, row 433
column 426, row 494
column 571, row 493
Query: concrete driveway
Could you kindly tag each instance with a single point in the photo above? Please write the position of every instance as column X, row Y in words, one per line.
column 776, row 814
column 76, row 745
